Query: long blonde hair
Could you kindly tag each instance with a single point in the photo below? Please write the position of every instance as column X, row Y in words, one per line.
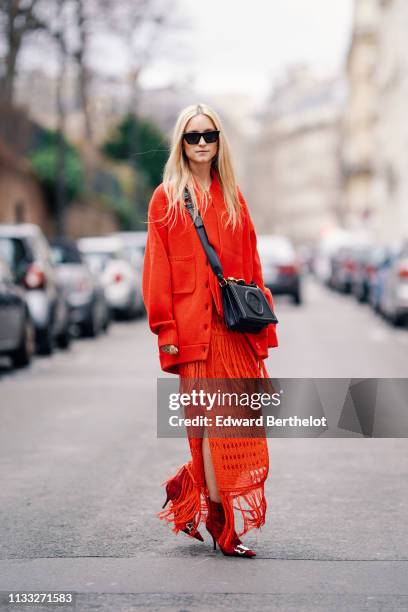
column 177, row 173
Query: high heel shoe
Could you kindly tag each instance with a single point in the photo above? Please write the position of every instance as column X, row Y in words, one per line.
column 173, row 491
column 215, row 524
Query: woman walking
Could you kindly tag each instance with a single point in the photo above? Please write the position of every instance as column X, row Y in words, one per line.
column 183, row 302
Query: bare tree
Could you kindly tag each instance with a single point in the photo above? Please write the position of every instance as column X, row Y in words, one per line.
column 18, row 19
column 134, row 22
column 63, row 56
column 80, row 55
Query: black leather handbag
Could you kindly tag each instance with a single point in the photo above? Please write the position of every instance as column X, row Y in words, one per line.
column 245, row 306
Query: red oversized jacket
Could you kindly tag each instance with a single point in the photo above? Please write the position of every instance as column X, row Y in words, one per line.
column 178, row 282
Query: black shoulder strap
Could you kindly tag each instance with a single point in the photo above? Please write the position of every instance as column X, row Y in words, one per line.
column 202, row 234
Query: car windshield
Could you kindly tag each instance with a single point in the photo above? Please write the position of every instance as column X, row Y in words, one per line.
column 14, row 252
column 275, row 246
column 133, row 253
column 98, row 260
column 377, row 255
column 65, row 255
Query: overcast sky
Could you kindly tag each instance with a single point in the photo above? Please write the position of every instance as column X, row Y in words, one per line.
column 238, row 46
column 242, row 46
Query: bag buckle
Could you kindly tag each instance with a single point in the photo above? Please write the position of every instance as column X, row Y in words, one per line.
column 237, row 280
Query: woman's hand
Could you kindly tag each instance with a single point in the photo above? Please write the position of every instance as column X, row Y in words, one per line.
column 169, row 348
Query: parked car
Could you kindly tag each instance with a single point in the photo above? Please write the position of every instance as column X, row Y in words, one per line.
column 121, row 280
column 29, row 257
column 280, row 266
column 88, row 307
column 382, row 260
column 364, row 259
column 343, row 266
column 134, row 245
column 326, row 250
column 306, row 257
column 16, row 328
column 136, row 239
column 394, row 293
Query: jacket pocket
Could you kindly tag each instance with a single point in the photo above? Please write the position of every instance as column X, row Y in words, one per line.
column 183, row 273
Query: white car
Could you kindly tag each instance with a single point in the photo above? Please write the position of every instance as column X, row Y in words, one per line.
column 327, row 248
column 280, row 266
column 134, row 245
column 121, row 279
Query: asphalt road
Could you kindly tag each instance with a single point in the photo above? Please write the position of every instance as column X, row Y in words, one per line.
column 81, row 467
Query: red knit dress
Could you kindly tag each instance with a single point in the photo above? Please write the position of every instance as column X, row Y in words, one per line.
column 241, row 461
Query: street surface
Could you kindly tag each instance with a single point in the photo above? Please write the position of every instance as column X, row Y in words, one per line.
column 81, row 468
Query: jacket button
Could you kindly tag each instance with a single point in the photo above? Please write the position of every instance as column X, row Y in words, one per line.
column 203, row 349
column 206, row 285
column 207, row 306
column 206, row 326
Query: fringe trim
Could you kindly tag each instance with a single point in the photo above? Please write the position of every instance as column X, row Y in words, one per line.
column 192, row 505
column 252, row 507
column 188, row 506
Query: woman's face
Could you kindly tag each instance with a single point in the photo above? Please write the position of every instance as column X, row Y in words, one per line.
column 203, row 152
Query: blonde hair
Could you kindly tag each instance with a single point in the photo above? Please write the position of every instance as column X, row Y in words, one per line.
column 177, row 174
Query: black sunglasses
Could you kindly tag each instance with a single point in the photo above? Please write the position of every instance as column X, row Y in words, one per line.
column 193, row 138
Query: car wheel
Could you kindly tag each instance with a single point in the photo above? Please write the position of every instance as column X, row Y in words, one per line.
column 64, row 339
column 131, row 313
column 106, row 323
column 397, row 320
column 89, row 328
column 297, row 298
column 21, row 357
column 45, row 342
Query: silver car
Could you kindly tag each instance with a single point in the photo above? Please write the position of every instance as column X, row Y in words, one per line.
column 88, row 308
column 394, row 294
column 16, row 328
column 28, row 255
column 134, row 245
column 108, row 258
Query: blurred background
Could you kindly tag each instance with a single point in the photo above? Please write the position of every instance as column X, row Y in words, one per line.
column 313, row 95
column 313, row 98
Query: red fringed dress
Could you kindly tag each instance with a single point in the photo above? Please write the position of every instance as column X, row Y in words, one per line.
column 241, row 463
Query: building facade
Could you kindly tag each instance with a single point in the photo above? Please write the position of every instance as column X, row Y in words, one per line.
column 295, row 178
column 375, row 142
column 390, row 193
column 358, row 145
